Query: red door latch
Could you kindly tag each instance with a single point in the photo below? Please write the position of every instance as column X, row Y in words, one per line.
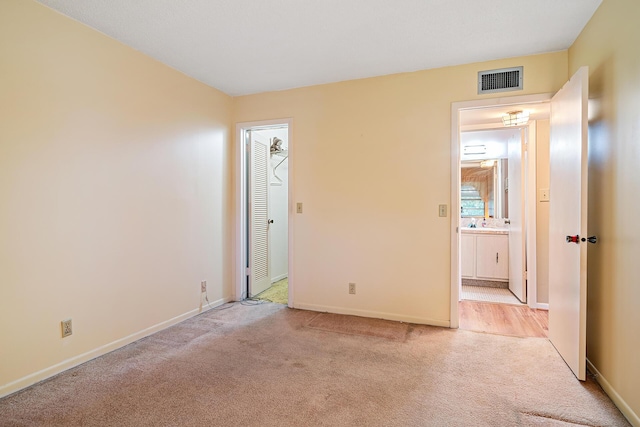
column 573, row 239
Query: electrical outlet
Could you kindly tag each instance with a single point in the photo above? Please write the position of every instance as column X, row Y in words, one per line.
column 66, row 328
column 352, row 288
column 203, row 286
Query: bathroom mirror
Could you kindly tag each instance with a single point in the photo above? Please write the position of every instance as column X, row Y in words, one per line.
column 484, row 189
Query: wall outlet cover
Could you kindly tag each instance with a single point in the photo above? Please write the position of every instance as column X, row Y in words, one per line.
column 67, row 328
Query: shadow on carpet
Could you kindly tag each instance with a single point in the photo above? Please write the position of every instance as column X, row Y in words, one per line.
column 353, row 325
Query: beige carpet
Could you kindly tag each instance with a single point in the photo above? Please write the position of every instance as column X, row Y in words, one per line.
column 278, row 292
column 267, row 365
column 360, row 326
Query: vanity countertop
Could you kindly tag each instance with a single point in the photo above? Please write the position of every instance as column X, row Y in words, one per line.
column 484, row 230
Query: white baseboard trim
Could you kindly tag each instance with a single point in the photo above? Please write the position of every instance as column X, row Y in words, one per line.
column 373, row 314
column 278, row 278
column 626, row 410
column 43, row 374
column 542, row 306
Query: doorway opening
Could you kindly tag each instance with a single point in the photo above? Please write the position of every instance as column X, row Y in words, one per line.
column 264, row 221
column 494, row 200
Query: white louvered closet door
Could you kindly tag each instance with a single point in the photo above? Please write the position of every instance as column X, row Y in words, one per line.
column 259, row 274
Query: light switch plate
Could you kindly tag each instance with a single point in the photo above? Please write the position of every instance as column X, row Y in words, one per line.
column 442, row 210
column 298, row 207
column 544, row 194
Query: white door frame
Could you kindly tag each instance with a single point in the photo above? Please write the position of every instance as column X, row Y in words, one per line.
column 242, row 208
column 456, row 107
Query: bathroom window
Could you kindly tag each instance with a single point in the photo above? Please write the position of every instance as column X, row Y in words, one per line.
column 481, row 195
column 471, row 202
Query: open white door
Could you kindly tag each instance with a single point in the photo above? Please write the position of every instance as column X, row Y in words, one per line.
column 517, row 255
column 568, row 217
column 259, row 270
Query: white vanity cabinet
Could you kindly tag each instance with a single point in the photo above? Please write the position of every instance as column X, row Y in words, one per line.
column 468, row 255
column 485, row 254
column 492, row 257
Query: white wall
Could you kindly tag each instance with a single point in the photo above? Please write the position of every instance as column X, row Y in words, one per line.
column 278, row 210
column 494, row 140
column 542, row 212
column 114, row 193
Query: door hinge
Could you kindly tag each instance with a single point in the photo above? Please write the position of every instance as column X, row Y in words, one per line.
column 247, row 271
column 525, row 275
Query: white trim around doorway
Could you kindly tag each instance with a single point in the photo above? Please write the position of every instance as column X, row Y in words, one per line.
column 241, row 205
column 455, row 187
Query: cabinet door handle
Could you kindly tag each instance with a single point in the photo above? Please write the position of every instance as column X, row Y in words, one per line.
column 496, row 257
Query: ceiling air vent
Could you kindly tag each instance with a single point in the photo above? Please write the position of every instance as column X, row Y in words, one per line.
column 503, row 80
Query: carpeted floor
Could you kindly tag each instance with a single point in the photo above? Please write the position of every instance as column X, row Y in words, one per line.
column 268, row 365
column 278, row 292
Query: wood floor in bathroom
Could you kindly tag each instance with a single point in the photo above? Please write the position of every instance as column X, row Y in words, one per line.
column 503, row 319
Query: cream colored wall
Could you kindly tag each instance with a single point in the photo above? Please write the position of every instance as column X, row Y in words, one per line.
column 114, row 185
column 542, row 212
column 609, row 46
column 371, row 165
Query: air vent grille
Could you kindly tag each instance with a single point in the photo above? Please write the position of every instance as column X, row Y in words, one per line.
column 503, row 80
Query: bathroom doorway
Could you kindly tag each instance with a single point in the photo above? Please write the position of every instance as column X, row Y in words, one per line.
column 494, row 239
column 491, row 213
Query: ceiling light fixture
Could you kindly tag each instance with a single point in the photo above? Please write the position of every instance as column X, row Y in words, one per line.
column 515, row 118
column 487, row 164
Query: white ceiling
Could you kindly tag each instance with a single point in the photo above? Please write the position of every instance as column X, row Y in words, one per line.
column 250, row 46
column 491, row 117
